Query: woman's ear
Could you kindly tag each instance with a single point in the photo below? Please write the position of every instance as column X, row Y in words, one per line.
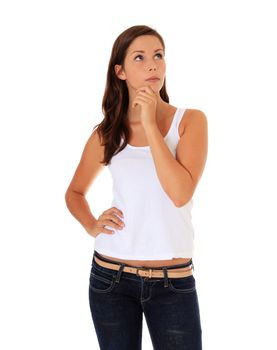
column 119, row 72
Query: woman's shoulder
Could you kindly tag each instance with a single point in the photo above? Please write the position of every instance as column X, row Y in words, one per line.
column 191, row 115
column 196, row 115
column 187, row 111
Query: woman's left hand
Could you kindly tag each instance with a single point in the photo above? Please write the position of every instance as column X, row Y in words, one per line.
column 146, row 98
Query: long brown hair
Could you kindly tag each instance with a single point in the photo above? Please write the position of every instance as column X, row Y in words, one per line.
column 115, row 101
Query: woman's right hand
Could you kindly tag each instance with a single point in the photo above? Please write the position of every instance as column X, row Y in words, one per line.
column 109, row 218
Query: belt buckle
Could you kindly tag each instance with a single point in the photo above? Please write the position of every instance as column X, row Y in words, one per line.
column 144, row 268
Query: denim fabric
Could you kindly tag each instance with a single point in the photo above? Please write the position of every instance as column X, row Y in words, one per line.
column 118, row 300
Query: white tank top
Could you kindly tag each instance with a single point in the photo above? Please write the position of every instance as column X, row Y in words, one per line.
column 155, row 229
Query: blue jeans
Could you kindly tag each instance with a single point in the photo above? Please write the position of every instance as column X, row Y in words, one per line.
column 118, row 300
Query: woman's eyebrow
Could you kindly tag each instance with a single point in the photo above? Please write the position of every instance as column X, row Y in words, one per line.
column 144, row 51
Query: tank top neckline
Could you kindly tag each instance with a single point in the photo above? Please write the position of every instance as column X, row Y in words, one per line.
column 165, row 137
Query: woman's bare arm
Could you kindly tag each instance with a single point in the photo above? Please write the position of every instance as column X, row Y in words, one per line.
column 87, row 170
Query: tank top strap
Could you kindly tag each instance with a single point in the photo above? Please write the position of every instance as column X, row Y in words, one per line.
column 180, row 116
column 177, row 120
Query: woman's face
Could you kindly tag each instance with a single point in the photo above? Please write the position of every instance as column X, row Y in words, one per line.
column 139, row 66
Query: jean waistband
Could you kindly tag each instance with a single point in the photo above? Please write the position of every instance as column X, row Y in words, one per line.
column 153, row 268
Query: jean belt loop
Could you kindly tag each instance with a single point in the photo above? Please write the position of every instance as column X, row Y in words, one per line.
column 119, row 272
column 165, row 276
column 192, row 265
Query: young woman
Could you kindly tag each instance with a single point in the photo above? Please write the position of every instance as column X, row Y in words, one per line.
column 142, row 261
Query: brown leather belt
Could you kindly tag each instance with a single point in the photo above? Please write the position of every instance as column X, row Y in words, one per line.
column 147, row 271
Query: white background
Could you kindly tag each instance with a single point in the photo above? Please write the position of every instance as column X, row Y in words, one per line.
column 221, row 59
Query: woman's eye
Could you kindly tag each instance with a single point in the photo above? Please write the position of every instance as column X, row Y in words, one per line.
column 138, row 56
column 155, row 55
column 160, row 54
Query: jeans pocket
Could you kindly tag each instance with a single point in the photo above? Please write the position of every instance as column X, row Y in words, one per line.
column 182, row 285
column 101, row 282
